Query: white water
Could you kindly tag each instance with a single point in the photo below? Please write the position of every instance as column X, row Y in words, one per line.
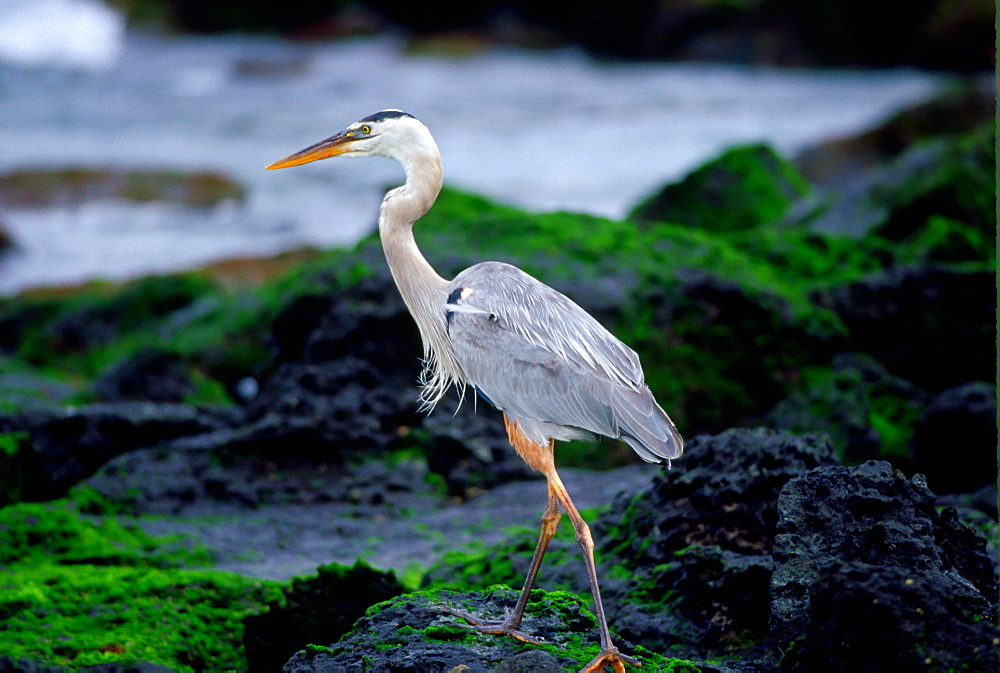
column 82, row 34
column 541, row 130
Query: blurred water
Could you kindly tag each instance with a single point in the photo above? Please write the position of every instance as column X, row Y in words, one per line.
column 549, row 130
column 85, row 34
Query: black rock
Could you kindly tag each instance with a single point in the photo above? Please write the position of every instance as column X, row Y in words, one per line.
column 697, row 542
column 722, row 493
column 964, row 416
column 864, row 562
column 218, row 467
column 932, row 326
column 64, row 446
column 314, row 609
column 369, row 322
column 342, row 405
column 413, row 634
column 150, row 375
column 703, row 602
column 865, row 617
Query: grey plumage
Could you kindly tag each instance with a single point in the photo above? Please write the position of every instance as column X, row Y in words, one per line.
column 545, row 361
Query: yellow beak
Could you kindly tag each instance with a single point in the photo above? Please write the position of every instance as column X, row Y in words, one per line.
column 331, row 147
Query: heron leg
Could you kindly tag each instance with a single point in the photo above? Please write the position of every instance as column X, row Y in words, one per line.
column 512, row 624
column 609, row 654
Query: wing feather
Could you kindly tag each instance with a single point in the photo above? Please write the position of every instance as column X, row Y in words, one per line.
column 544, row 360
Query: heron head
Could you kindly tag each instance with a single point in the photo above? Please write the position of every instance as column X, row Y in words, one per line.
column 389, row 133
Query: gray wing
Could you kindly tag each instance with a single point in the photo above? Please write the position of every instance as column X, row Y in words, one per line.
column 532, row 352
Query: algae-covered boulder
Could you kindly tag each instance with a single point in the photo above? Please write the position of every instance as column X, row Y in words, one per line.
column 55, row 326
column 863, row 409
column 933, row 326
column 961, row 106
column 413, row 633
column 745, row 187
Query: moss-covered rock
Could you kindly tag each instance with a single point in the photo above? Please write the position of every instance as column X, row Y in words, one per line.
column 79, row 590
column 951, row 178
column 413, row 633
column 867, row 412
column 932, row 326
column 963, row 104
column 745, row 187
column 85, row 614
column 36, row 534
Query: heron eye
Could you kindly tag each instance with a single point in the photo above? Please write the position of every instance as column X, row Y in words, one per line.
column 366, row 129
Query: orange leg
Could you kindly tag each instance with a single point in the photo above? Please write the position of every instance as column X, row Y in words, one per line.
column 542, row 459
column 512, row 624
column 609, row 654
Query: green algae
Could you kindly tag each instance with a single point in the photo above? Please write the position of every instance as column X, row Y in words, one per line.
column 861, row 408
column 568, row 626
column 34, row 534
column 85, row 614
column 79, row 589
column 745, row 187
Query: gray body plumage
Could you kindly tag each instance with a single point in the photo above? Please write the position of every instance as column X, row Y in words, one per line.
column 535, row 354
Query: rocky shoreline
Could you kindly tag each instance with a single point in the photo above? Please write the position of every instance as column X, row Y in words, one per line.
column 815, row 522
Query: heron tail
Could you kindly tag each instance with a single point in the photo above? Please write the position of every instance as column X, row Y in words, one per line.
column 645, row 426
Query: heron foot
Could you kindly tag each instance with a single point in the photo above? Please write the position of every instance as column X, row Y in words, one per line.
column 507, row 627
column 610, row 656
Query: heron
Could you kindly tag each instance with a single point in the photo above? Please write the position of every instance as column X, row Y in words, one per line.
column 553, row 371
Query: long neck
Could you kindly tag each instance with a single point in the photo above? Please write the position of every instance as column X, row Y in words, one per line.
column 423, row 290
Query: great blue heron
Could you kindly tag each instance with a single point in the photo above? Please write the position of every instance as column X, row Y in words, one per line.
column 553, row 370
